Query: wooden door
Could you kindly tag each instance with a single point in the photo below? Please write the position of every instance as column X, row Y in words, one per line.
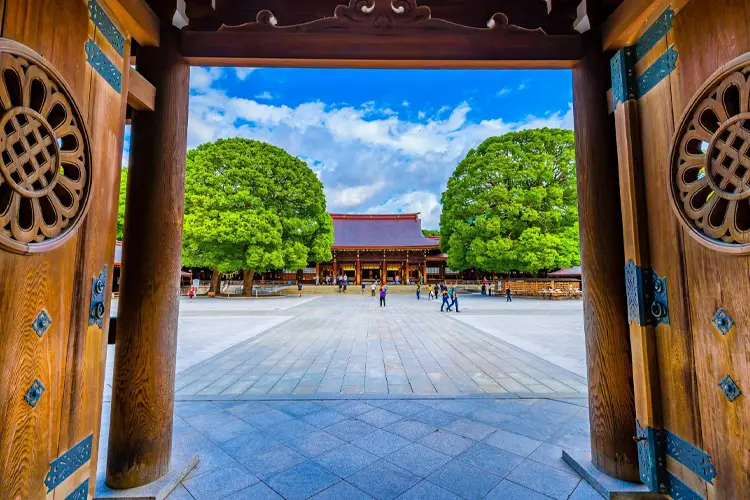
column 684, row 157
column 58, row 208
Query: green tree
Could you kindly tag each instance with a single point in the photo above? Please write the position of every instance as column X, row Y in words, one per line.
column 255, row 207
column 431, row 232
column 511, row 204
column 121, row 206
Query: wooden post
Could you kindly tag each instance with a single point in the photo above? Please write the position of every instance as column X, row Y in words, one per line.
column 358, row 272
column 140, row 436
column 611, row 400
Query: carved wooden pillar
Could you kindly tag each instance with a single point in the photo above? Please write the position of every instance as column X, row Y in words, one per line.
column 140, row 436
column 358, row 271
column 384, row 272
column 611, row 400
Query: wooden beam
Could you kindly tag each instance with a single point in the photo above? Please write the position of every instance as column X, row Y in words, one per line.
column 138, row 20
column 141, row 94
column 532, row 50
column 632, row 18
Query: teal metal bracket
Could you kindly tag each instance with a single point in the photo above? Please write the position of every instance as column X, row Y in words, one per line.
column 101, row 63
column 655, row 32
column 107, row 28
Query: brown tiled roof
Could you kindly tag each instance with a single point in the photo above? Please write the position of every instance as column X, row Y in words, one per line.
column 379, row 231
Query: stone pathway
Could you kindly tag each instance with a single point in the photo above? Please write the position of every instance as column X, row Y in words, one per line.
column 413, row 448
column 350, row 345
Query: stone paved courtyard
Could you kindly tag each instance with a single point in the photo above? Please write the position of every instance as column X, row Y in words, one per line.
column 350, row 345
column 332, row 397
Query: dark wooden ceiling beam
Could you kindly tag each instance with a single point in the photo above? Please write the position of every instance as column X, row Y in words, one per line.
column 417, row 50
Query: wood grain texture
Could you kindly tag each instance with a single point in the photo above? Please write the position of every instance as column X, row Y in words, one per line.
column 141, row 94
column 29, row 437
column 137, row 19
column 611, row 400
column 143, row 389
column 635, row 237
column 707, row 36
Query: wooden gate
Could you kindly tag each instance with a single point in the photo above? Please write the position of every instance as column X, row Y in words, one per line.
column 682, row 108
column 63, row 96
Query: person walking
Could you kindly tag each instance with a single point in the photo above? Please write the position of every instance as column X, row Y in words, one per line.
column 507, row 295
column 299, row 288
column 191, row 293
column 317, row 280
column 444, row 293
column 374, row 287
column 383, row 291
column 418, row 290
column 346, row 282
column 363, row 287
column 341, row 284
column 429, row 292
column 454, row 297
column 484, row 289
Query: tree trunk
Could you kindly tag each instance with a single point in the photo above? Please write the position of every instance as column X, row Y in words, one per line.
column 248, row 275
column 215, row 280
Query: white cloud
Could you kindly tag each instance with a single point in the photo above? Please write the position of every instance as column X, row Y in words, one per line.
column 203, row 78
column 405, row 104
column 265, row 95
column 423, row 202
column 243, row 73
column 368, row 158
column 503, row 91
column 522, row 86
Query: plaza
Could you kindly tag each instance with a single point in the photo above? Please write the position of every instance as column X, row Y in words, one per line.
column 332, row 396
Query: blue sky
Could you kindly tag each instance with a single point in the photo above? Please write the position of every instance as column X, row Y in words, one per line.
column 380, row 140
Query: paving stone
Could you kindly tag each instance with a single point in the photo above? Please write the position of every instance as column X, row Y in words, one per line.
column 349, row 430
column 463, row 479
column 418, row 459
column 490, row 417
column 558, row 407
column 191, row 409
column 302, row 481
column 428, row 491
column 380, row 443
column 383, row 480
column 211, row 419
column 246, row 410
column 314, row 443
column 323, row 418
column 180, row 493
column 530, row 428
column 342, row 491
column 285, row 431
column 247, row 444
column 379, row 418
column 227, row 431
column 508, row 490
column 300, row 408
column 544, row 479
column 354, row 408
column 584, row 491
column 272, row 461
column 551, row 455
column 446, row 443
column 493, row 459
column 219, row 483
column 212, row 457
column 346, row 460
column 435, row 417
column 568, row 439
column 514, row 443
column 403, row 407
column 470, row 429
column 258, row 491
column 411, row 429
column 267, row 419
column 458, row 407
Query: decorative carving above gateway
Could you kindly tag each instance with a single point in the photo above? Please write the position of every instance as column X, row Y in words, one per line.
column 380, row 16
column 710, row 161
column 45, row 157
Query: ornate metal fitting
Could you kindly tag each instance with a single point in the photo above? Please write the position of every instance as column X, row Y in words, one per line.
column 729, row 388
column 647, row 296
column 98, row 287
column 722, row 321
column 66, row 464
column 107, row 27
column 651, row 457
column 101, row 63
column 80, row 493
column 42, row 323
column 656, row 32
column 691, row 457
column 624, row 81
column 34, row 394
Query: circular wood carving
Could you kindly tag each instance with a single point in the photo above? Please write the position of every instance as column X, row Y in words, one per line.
column 45, row 156
column 710, row 161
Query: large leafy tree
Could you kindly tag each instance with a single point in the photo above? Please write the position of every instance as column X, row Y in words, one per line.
column 255, row 207
column 121, row 206
column 511, row 204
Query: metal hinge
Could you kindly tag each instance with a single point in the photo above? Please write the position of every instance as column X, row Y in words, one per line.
column 647, row 296
column 654, row 446
column 98, row 287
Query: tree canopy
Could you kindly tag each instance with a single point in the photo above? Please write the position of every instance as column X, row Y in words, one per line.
column 253, row 206
column 431, row 232
column 121, row 206
column 511, row 204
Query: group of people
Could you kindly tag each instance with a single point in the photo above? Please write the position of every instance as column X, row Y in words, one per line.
column 448, row 294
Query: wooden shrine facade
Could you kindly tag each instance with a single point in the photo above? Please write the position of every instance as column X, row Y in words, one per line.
column 661, row 92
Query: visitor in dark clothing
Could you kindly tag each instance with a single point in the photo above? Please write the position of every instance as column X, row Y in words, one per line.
column 507, row 295
column 382, row 296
